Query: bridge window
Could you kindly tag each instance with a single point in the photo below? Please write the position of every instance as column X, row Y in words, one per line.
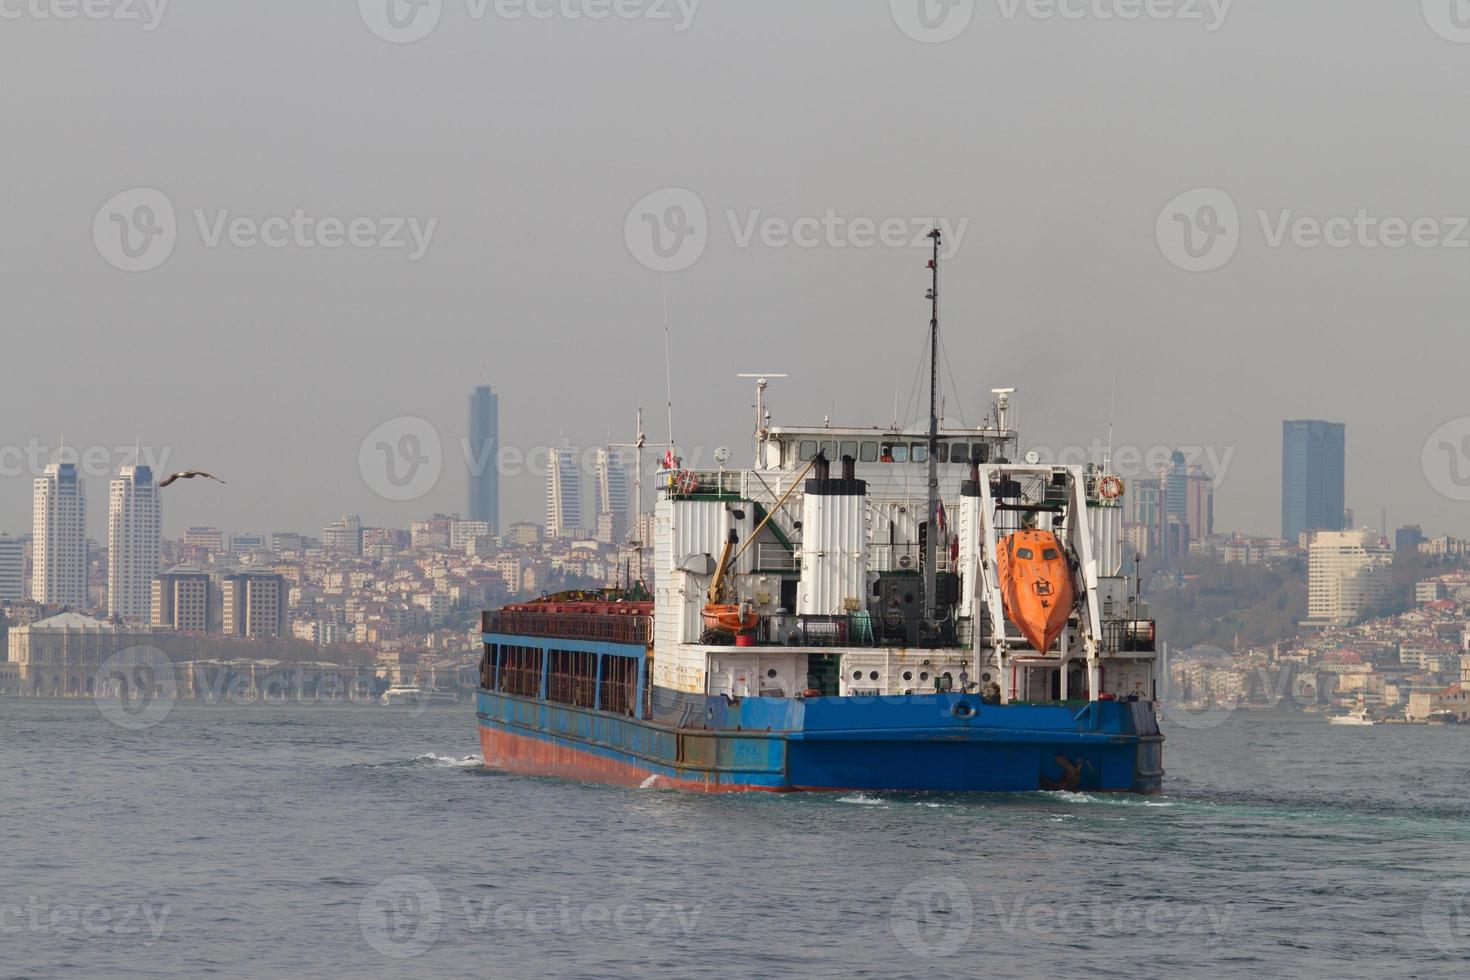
column 980, row 452
column 807, row 451
column 869, row 452
column 829, row 449
column 959, row 453
column 919, row 453
column 848, row 449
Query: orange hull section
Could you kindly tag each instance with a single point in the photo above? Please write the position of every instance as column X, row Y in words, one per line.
column 1036, row 589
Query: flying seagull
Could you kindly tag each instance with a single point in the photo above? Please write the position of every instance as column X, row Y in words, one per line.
column 187, row 475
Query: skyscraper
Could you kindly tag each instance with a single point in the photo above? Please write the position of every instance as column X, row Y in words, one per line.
column 59, row 537
column 1313, row 477
column 484, row 444
column 614, row 490
column 133, row 529
column 563, row 494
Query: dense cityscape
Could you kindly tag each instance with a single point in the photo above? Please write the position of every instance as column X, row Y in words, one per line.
column 353, row 609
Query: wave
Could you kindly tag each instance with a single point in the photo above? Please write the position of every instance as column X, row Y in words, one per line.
column 430, row 760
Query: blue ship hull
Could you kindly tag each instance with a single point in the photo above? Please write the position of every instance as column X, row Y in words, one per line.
column 926, row 743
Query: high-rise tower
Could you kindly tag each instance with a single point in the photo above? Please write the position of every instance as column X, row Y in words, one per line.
column 484, row 444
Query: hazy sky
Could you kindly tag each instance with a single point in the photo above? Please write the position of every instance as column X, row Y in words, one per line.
column 527, row 140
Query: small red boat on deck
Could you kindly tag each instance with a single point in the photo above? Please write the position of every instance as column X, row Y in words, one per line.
column 1036, row 585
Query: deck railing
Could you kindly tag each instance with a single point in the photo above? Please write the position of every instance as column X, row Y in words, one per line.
column 570, row 626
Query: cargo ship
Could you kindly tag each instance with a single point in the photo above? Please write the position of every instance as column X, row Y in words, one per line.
column 881, row 609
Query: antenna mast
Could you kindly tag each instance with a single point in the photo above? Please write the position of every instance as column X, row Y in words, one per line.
column 668, row 365
column 930, row 537
column 762, row 417
column 635, row 535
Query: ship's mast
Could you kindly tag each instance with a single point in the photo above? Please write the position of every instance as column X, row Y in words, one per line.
column 930, row 538
column 635, row 534
column 762, row 417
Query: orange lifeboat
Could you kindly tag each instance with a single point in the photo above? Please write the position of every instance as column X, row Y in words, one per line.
column 730, row 618
column 1036, row 585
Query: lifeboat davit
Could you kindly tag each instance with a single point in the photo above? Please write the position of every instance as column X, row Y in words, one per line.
column 1036, row 585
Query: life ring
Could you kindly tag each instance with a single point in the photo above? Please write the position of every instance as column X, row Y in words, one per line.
column 686, row 482
column 1110, row 487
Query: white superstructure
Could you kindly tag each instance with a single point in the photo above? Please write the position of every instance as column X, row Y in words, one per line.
column 830, row 529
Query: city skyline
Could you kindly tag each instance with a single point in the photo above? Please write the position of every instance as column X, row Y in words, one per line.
column 527, row 476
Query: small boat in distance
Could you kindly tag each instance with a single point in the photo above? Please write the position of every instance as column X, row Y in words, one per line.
column 1036, row 585
column 414, row 694
column 1358, row 716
